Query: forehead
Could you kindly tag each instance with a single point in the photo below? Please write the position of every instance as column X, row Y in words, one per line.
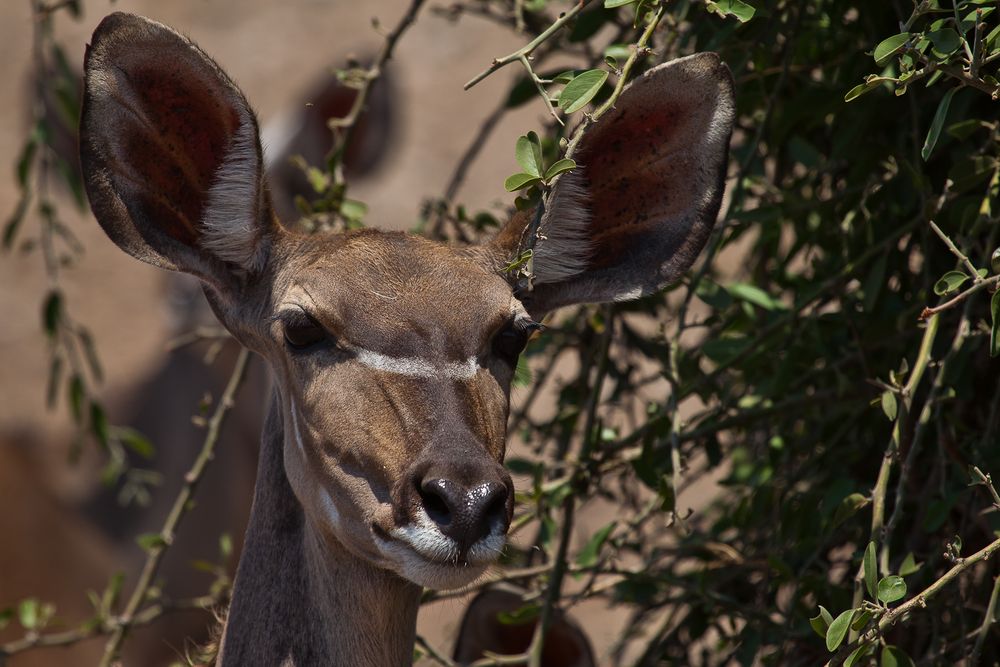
column 396, row 293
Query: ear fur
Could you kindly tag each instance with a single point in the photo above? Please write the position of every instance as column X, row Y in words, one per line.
column 640, row 207
column 170, row 154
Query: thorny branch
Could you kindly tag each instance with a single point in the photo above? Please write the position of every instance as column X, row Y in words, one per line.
column 182, row 505
column 343, row 128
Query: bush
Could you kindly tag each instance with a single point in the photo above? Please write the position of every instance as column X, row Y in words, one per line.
column 830, row 363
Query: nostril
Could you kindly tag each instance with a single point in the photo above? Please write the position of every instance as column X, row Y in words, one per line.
column 496, row 510
column 465, row 514
column 433, row 496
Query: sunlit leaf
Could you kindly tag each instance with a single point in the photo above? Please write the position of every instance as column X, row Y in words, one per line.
column 891, row 588
column 838, row 630
column 741, row 11
column 889, row 47
column 528, row 152
column 581, row 90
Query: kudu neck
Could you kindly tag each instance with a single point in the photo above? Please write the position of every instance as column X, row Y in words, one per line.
column 299, row 597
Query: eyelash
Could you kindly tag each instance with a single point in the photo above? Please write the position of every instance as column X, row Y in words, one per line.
column 510, row 341
column 302, row 332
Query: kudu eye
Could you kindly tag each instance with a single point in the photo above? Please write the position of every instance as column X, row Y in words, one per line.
column 510, row 341
column 303, row 332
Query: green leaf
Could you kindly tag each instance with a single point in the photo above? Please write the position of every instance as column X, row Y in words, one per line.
column 135, row 441
column 848, row 507
column 838, row 630
column 754, row 295
column 25, row 160
column 892, row 656
column 821, row 621
column 150, row 541
column 578, row 92
column 889, row 47
column 871, row 569
column 949, row 282
column 27, row 613
column 935, row 129
column 353, row 210
column 889, row 406
column 909, row 565
column 559, row 167
column 611, row 4
column 742, row 11
column 857, row 654
column 946, row 41
column 891, row 588
column 5, row 617
column 964, row 129
column 862, row 88
column 519, row 261
column 861, row 619
column 225, row 545
column 52, row 313
column 588, row 554
column 14, row 221
column 995, row 330
column 76, row 394
column 528, row 152
column 525, row 614
column 520, row 181
column 99, row 423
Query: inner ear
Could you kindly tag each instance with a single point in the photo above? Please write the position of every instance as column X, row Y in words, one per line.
column 170, row 153
column 640, row 206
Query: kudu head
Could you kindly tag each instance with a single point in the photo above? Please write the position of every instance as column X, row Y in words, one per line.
column 392, row 355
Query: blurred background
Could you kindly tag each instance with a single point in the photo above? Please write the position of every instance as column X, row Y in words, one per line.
column 280, row 54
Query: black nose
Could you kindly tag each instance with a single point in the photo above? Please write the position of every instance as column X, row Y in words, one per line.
column 465, row 514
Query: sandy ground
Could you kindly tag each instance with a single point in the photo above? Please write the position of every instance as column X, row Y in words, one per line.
column 273, row 51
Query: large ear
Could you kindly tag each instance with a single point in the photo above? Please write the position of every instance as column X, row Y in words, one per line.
column 171, row 155
column 640, row 207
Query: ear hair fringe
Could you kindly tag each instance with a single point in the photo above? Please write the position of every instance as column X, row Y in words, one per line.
column 230, row 222
column 565, row 246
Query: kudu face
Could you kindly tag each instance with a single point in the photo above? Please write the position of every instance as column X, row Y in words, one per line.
column 392, row 355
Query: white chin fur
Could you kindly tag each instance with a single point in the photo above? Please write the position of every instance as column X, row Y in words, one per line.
column 423, row 554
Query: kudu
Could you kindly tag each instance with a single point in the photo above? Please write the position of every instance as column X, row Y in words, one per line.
column 392, row 356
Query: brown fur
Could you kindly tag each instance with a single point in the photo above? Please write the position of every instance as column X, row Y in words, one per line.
column 398, row 403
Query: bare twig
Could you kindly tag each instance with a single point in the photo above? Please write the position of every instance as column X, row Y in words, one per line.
column 988, row 619
column 182, row 503
column 343, row 127
column 973, row 273
column 149, row 614
column 526, row 50
column 977, row 287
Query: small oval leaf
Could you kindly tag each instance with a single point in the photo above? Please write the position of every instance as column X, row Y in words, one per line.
column 891, row 588
column 821, row 621
column 838, row 630
column 889, row 47
column 520, row 181
column 889, row 406
column 528, row 152
column 562, row 166
column 578, row 92
column 949, row 282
